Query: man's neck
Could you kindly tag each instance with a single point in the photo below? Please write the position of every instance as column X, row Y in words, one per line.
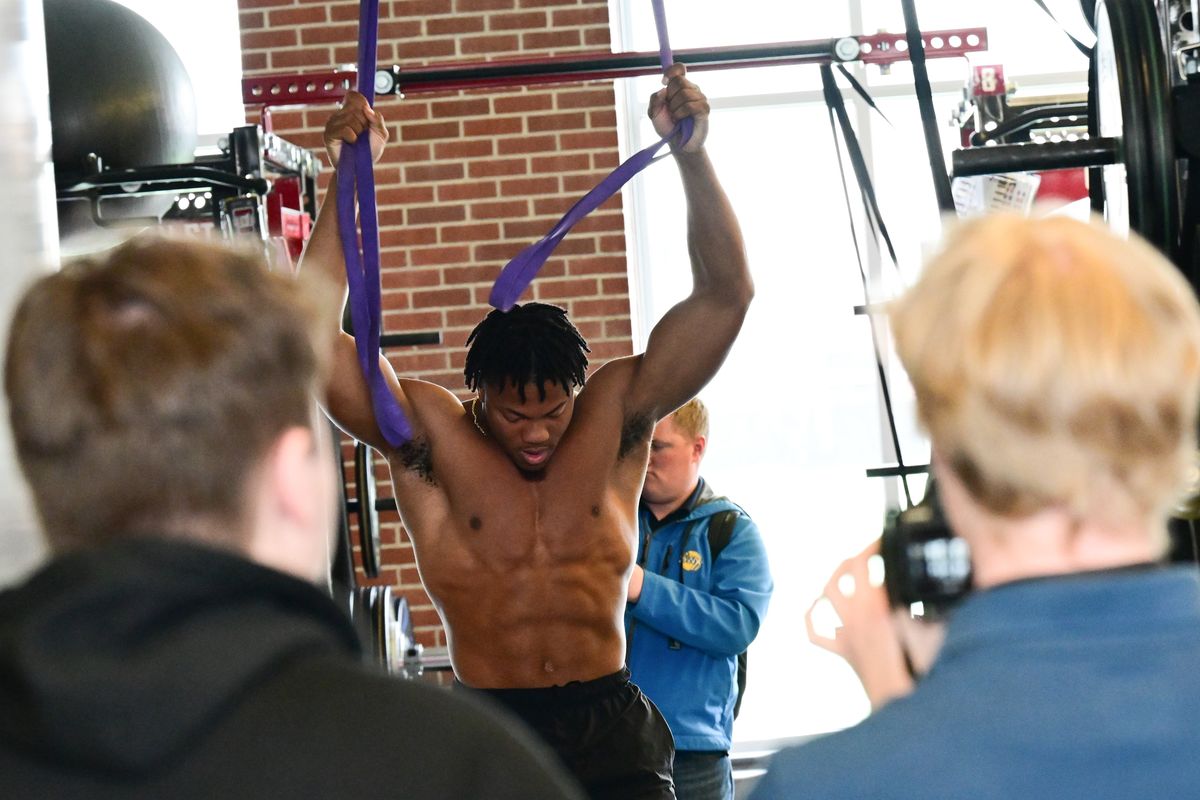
column 1052, row 543
column 665, row 509
column 661, row 511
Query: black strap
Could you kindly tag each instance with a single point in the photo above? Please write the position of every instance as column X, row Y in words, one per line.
column 933, row 142
column 837, row 108
column 1189, row 230
column 837, row 105
column 743, row 658
column 720, row 531
column 1080, row 46
column 862, row 92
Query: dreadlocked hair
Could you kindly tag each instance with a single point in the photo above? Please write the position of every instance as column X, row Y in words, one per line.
column 531, row 343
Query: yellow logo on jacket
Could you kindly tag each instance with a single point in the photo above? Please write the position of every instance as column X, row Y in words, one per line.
column 692, row 561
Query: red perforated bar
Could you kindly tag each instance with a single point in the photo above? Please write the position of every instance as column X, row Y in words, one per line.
column 272, row 90
column 888, row 48
column 277, row 90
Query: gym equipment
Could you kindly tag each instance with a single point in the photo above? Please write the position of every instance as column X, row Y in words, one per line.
column 368, row 514
column 138, row 109
column 373, row 612
column 297, row 89
column 380, row 618
column 1135, row 138
column 356, row 182
column 259, row 185
column 363, row 600
column 879, row 49
column 355, row 179
column 118, row 93
column 124, row 137
column 117, row 89
column 342, row 580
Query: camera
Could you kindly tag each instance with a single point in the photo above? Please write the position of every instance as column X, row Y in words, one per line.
column 923, row 561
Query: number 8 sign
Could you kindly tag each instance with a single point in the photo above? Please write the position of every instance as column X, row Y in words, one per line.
column 989, row 80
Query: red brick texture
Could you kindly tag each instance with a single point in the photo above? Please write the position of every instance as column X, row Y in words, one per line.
column 469, row 179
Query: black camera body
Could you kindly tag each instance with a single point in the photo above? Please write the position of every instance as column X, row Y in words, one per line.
column 923, row 561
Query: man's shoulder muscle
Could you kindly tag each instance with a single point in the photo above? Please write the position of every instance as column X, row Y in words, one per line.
column 612, row 379
column 608, row 388
column 436, row 413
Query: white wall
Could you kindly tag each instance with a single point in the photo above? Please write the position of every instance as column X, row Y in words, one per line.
column 29, row 231
column 205, row 34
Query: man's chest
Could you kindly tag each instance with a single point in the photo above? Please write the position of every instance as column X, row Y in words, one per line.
column 495, row 514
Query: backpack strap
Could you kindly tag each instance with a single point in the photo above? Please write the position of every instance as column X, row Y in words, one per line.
column 720, row 531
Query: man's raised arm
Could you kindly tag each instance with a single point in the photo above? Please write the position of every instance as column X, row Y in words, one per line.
column 689, row 343
column 347, row 398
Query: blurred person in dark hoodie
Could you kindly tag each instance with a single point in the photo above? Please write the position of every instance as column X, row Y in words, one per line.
column 178, row 645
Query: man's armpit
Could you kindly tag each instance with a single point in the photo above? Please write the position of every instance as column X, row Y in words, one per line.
column 635, row 431
column 416, row 455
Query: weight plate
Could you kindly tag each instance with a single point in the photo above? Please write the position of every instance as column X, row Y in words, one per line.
column 1132, row 97
column 368, row 517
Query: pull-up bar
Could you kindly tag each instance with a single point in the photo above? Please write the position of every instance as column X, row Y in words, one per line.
column 880, row 49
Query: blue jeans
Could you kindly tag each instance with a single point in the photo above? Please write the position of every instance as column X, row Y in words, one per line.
column 703, row 775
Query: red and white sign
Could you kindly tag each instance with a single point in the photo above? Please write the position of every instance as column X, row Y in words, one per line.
column 988, row 80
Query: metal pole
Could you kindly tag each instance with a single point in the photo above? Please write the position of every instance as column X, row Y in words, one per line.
column 1034, row 157
column 295, row 89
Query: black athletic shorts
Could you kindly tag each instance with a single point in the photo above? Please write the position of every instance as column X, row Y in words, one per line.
column 609, row 734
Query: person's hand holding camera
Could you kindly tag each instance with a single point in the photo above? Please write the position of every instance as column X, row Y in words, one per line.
column 878, row 643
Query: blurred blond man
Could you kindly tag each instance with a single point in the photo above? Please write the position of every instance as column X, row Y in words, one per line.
column 1057, row 371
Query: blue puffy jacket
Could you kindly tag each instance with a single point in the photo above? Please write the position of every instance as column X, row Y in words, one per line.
column 694, row 617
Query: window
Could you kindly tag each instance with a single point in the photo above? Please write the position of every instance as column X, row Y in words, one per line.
column 796, row 412
column 209, row 44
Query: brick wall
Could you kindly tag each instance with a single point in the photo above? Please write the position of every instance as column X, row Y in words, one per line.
column 469, row 179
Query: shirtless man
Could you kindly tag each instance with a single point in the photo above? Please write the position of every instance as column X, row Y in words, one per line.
column 522, row 503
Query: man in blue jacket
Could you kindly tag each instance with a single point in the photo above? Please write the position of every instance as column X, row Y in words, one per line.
column 697, row 596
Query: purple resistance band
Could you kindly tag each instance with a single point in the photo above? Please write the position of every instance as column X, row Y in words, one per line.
column 355, row 174
column 520, row 272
